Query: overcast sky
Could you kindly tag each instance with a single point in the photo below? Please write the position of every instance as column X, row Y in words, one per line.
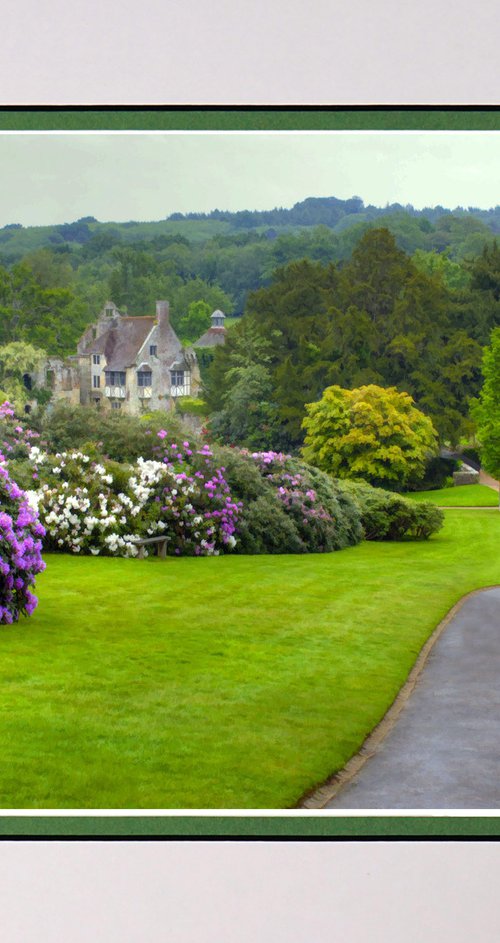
column 57, row 178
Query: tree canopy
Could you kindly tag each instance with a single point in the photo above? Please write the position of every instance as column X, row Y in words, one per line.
column 370, row 433
column 378, row 319
column 486, row 409
column 18, row 362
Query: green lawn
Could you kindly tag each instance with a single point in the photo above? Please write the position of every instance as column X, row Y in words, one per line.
column 459, row 496
column 228, row 682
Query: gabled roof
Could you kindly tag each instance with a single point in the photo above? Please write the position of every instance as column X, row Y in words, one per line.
column 212, row 337
column 122, row 341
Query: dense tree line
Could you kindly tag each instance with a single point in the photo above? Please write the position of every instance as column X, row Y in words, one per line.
column 136, row 260
column 330, row 211
column 379, row 319
column 409, row 305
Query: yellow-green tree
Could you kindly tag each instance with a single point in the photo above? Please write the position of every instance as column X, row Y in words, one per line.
column 372, row 433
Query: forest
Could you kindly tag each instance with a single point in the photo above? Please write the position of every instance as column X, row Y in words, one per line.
column 328, row 292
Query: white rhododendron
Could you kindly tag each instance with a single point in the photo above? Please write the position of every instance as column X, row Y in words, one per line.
column 85, row 511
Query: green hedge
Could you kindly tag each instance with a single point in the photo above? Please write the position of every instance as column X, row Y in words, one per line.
column 389, row 516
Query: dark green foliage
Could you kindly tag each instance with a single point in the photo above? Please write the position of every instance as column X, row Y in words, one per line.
column 120, row 437
column 133, row 264
column 264, row 527
column 21, row 472
column 389, row 516
column 340, row 506
column 485, row 270
column 120, row 473
column 288, row 507
column 473, row 454
column 241, row 473
column 486, row 409
column 357, row 311
column 436, row 473
column 47, row 317
column 239, row 391
column 378, row 320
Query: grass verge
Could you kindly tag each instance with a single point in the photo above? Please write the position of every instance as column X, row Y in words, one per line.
column 229, row 682
column 460, row 496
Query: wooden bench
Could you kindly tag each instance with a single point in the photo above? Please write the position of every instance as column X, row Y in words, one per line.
column 161, row 543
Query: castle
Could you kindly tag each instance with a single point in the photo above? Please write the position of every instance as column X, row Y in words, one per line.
column 133, row 364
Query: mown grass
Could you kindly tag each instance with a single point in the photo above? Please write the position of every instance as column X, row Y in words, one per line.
column 459, row 496
column 230, row 682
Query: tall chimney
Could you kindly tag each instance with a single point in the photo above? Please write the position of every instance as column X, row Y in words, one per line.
column 162, row 312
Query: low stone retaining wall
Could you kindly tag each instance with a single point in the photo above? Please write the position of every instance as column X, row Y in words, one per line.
column 466, row 476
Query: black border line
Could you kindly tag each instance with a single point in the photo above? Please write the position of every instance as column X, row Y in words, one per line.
column 251, row 108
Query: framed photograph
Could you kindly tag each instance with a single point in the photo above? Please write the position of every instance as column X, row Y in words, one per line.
column 249, row 530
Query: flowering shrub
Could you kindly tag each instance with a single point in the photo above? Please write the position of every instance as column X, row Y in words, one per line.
column 196, row 499
column 20, row 550
column 86, row 510
column 15, row 439
column 80, row 511
column 205, row 500
column 288, row 506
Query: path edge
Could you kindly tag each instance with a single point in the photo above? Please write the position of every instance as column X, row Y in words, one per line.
column 318, row 797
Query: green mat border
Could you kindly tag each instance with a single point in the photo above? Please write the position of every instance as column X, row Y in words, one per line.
column 221, row 118
column 319, row 825
column 257, row 827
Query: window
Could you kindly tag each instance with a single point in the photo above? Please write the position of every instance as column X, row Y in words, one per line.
column 115, row 378
column 144, row 377
column 96, row 358
column 153, row 350
column 115, row 405
column 180, row 382
column 27, row 381
column 96, row 382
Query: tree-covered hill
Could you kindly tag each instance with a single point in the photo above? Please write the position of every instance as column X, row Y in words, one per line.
column 333, row 212
column 218, row 261
column 430, row 228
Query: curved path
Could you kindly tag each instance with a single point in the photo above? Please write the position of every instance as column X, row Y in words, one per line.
column 443, row 750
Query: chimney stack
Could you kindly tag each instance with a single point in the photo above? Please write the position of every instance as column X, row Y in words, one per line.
column 162, row 312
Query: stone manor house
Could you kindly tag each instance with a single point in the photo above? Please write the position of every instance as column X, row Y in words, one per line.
column 134, row 364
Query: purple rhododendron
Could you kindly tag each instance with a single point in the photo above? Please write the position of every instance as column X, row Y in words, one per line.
column 20, row 545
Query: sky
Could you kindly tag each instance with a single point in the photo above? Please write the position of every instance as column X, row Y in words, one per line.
column 56, row 178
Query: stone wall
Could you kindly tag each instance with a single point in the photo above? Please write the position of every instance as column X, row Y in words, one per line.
column 466, row 476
